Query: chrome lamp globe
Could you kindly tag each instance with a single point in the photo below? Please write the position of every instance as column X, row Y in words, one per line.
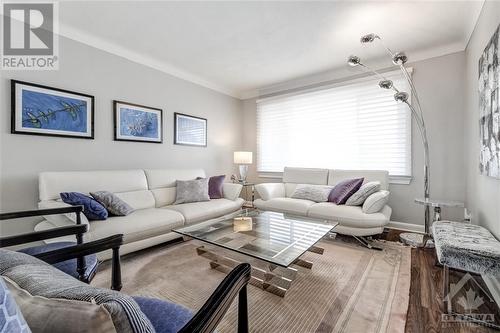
column 400, row 59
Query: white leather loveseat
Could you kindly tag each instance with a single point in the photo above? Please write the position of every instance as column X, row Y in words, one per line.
column 150, row 192
column 352, row 221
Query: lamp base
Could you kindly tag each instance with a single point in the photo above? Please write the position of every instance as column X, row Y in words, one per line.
column 243, row 172
column 416, row 240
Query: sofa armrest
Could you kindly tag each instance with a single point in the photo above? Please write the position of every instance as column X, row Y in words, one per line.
column 387, row 211
column 270, row 190
column 63, row 219
column 231, row 191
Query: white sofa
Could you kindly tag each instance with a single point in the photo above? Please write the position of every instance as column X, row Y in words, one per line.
column 150, row 192
column 352, row 221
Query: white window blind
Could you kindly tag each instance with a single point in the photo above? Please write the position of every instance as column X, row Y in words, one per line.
column 353, row 126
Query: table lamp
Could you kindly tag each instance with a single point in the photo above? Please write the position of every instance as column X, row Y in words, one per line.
column 243, row 158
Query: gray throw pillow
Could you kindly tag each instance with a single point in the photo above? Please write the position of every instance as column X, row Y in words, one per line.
column 375, row 202
column 317, row 193
column 191, row 191
column 112, row 203
column 358, row 198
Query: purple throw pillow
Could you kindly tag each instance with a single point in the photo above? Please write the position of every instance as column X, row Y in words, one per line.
column 343, row 190
column 215, row 184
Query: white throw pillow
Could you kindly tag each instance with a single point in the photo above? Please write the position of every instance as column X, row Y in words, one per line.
column 317, row 193
column 375, row 202
column 358, row 198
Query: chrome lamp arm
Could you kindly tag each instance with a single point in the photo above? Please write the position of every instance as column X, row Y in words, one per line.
column 400, row 59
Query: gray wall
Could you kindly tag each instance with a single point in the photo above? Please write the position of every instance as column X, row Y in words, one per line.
column 483, row 193
column 107, row 77
column 440, row 83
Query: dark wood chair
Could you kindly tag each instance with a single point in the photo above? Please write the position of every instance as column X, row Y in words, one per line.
column 77, row 259
column 203, row 321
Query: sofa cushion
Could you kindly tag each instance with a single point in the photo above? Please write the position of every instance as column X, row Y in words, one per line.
column 286, row 205
column 351, row 216
column 164, row 196
column 200, row 211
column 52, row 183
column 161, row 178
column 139, row 225
column 138, row 199
column 336, row 175
column 166, row 317
column 312, row 176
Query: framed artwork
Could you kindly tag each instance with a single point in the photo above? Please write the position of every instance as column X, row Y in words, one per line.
column 137, row 123
column 489, row 107
column 42, row 110
column 190, row 130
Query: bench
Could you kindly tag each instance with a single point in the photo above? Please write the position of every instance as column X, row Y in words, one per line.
column 465, row 247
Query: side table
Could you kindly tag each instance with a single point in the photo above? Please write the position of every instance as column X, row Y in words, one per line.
column 438, row 204
column 421, row 240
column 248, row 187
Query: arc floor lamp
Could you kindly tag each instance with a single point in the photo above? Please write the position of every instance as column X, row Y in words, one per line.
column 400, row 59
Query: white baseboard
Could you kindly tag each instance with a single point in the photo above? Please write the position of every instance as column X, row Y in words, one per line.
column 406, row 226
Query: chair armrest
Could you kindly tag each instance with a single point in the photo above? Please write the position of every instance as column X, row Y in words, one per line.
column 231, row 191
column 269, row 191
column 81, row 250
column 41, row 212
column 76, row 229
column 211, row 313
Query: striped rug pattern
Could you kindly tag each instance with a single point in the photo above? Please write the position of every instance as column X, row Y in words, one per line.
column 349, row 289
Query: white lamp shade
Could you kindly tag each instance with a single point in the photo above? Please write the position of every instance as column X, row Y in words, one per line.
column 242, row 157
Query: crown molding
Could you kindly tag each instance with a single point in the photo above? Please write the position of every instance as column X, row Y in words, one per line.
column 345, row 73
column 123, row 52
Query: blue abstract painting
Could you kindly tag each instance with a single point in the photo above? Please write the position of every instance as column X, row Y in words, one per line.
column 137, row 123
column 46, row 111
column 42, row 110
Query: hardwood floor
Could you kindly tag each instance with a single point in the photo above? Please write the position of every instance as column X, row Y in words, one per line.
column 426, row 306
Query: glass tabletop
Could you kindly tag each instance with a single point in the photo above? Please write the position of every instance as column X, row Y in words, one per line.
column 270, row 236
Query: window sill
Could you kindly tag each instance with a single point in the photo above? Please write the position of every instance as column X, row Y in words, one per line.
column 396, row 180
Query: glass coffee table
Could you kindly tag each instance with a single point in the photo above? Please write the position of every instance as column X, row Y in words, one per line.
column 271, row 242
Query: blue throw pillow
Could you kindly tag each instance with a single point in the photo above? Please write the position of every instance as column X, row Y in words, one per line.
column 11, row 318
column 92, row 209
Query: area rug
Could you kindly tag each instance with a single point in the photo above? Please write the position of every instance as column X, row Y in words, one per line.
column 349, row 288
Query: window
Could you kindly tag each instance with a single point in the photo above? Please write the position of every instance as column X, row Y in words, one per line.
column 356, row 125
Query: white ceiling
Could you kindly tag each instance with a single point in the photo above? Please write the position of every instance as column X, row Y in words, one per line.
column 238, row 47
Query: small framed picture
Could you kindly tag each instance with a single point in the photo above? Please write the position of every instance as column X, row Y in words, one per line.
column 137, row 123
column 42, row 110
column 190, row 130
